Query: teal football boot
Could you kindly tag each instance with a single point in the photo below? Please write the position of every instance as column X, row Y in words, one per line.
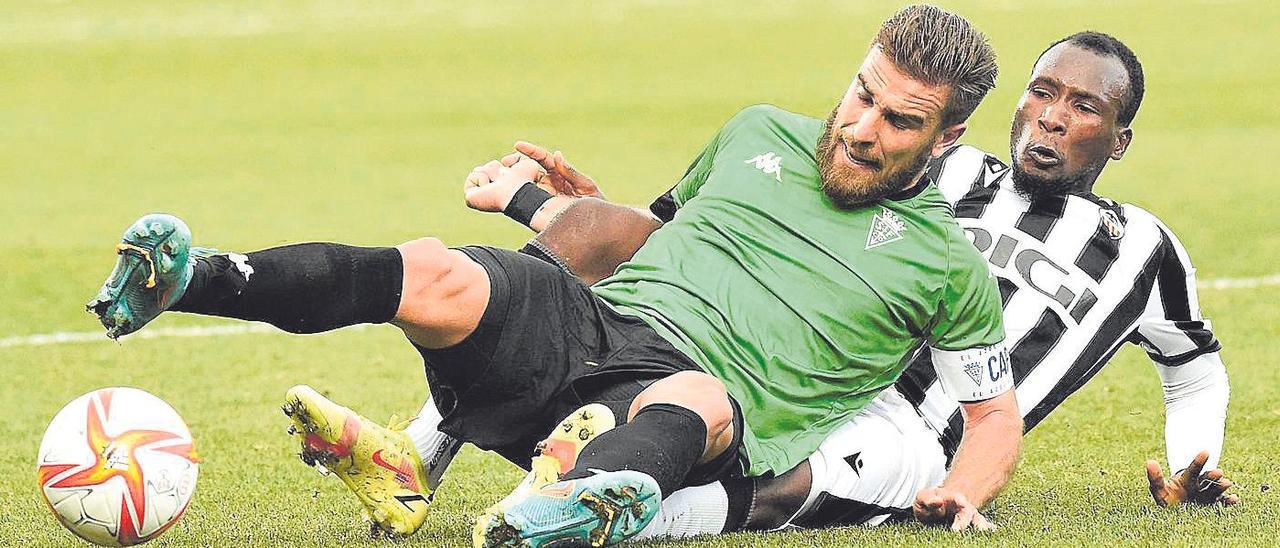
column 155, row 264
column 602, row 510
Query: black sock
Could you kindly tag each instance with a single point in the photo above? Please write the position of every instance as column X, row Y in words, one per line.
column 303, row 288
column 663, row 440
column 742, row 497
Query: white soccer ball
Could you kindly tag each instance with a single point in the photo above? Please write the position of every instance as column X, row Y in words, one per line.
column 117, row 466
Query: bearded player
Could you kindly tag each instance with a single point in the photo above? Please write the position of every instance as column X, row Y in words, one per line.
column 707, row 320
column 1079, row 275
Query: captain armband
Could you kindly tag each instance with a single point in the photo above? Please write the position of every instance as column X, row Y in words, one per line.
column 975, row 374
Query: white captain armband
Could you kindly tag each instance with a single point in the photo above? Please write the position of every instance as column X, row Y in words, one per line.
column 974, row 374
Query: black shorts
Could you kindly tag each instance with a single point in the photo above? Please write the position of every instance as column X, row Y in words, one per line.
column 545, row 346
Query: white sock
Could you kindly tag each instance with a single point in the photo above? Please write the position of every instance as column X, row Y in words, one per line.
column 691, row 511
column 435, row 448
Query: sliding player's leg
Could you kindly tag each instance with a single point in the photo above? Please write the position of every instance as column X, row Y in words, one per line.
column 435, row 294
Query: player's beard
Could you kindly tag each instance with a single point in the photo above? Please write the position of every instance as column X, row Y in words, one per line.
column 849, row 189
column 1038, row 187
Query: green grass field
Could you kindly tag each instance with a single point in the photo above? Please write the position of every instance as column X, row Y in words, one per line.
column 264, row 122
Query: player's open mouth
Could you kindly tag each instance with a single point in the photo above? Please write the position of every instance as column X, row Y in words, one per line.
column 1043, row 156
column 866, row 163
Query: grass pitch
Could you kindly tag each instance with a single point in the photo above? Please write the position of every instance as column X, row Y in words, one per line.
column 270, row 122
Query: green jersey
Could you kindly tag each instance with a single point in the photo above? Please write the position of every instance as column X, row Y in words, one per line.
column 804, row 310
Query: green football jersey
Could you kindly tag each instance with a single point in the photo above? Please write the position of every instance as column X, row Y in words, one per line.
column 804, row 310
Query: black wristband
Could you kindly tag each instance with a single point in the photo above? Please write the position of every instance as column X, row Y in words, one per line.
column 526, row 202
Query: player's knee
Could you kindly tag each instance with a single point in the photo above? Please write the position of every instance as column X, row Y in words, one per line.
column 423, row 257
column 443, row 292
column 432, row 272
column 701, row 393
column 425, row 261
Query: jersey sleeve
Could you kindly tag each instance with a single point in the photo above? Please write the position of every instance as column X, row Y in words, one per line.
column 1171, row 328
column 967, row 338
column 1181, row 344
column 664, row 208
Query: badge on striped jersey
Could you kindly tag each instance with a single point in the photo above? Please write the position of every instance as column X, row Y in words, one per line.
column 1112, row 224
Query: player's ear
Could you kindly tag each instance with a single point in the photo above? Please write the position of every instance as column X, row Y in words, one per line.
column 948, row 137
column 1123, row 138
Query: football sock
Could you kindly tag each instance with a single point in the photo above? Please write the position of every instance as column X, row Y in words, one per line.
column 303, row 288
column 741, row 495
column 691, row 511
column 435, row 448
column 663, row 440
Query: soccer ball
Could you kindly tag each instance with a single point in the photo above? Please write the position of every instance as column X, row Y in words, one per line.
column 117, row 466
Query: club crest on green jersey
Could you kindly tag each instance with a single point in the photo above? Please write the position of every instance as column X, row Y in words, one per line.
column 886, row 227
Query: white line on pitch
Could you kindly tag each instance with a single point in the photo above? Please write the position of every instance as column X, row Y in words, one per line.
column 1239, row 283
column 73, row 337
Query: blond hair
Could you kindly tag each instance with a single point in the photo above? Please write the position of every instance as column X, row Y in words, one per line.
column 937, row 47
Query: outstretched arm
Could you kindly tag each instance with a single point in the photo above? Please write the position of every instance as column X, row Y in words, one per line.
column 1186, row 354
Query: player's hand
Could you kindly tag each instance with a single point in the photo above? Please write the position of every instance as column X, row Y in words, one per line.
column 1192, row 486
column 949, row 508
column 490, row 187
column 559, row 174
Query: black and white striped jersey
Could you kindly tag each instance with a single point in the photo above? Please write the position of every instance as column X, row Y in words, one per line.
column 1078, row 275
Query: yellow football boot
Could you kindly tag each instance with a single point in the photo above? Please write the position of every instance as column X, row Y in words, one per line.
column 553, row 458
column 378, row 464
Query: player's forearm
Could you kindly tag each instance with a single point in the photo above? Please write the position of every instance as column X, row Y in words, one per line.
column 989, row 450
column 592, row 237
column 550, row 211
column 1195, row 397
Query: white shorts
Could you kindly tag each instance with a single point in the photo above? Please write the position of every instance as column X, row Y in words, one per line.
column 868, row 471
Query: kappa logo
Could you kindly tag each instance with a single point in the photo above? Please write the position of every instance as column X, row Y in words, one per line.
column 855, row 462
column 242, row 264
column 886, row 227
column 974, row 371
column 770, row 163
